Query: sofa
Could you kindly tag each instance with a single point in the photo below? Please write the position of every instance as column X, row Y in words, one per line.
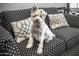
column 66, row 42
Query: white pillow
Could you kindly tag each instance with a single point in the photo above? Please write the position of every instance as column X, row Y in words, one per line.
column 21, row 29
column 57, row 20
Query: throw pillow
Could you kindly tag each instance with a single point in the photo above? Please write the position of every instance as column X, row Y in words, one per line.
column 57, row 20
column 21, row 29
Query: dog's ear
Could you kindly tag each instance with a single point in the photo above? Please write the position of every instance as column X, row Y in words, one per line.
column 34, row 8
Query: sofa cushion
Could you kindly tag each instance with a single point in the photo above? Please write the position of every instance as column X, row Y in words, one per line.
column 11, row 16
column 8, row 46
column 54, row 47
column 51, row 10
column 68, row 34
column 71, row 52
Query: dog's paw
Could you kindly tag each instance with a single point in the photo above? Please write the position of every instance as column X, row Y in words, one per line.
column 47, row 40
column 29, row 46
column 39, row 51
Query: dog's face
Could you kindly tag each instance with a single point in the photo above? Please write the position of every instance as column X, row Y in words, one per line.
column 37, row 21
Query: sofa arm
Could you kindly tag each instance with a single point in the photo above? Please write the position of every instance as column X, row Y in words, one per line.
column 72, row 20
column 8, row 45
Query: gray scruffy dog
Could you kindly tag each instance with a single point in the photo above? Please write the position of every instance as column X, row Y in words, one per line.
column 39, row 30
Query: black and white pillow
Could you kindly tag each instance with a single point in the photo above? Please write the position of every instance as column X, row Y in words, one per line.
column 57, row 20
column 21, row 29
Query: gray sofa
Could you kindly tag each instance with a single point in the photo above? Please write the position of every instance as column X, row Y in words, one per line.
column 66, row 42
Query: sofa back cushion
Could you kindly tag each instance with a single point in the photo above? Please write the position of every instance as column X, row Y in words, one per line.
column 11, row 16
column 16, row 15
column 51, row 10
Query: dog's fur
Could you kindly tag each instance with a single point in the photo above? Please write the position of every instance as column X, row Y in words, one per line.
column 39, row 30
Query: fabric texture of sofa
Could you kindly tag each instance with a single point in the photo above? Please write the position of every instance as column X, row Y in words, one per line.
column 67, row 38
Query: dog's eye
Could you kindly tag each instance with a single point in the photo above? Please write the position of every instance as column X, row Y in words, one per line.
column 41, row 11
column 34, row 16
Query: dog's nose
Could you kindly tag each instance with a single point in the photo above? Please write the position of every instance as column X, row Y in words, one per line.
column 36, row 20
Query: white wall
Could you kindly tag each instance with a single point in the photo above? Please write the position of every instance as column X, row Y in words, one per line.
column 16, row 6
column 75, row 9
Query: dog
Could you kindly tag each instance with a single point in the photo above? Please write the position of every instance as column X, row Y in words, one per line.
column 39, row 30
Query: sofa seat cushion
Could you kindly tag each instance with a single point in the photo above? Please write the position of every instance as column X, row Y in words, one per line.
column 8, row 45
column 68, row 34
column 54, row 47
column 71, row 52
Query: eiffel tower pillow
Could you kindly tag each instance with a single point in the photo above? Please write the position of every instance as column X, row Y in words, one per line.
column 57, row 20
column 21, row 29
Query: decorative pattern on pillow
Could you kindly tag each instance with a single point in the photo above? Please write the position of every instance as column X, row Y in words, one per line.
column 21, row 29
column 57, row 20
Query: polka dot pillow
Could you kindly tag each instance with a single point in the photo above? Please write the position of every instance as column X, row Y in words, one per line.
column 21, row 29
column 57, row 20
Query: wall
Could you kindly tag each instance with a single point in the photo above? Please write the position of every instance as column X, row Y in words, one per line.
column 16, row 6
column 75, row 9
